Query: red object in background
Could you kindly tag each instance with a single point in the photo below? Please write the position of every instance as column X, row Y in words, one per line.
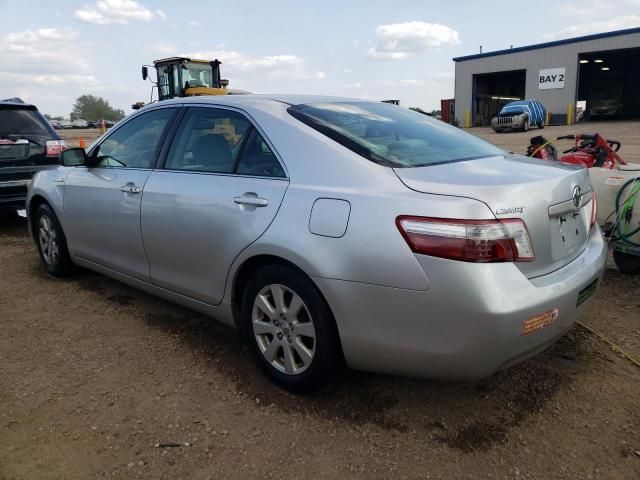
column 447, row 110
column 588, row 151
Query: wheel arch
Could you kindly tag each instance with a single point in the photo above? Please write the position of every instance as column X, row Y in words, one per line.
column 35, row 201
column 243, row 274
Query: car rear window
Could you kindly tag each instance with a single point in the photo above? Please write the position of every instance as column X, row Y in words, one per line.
column 21, row 120
column 391, row 135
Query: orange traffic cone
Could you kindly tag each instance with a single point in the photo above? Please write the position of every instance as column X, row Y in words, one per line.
column 82, row 144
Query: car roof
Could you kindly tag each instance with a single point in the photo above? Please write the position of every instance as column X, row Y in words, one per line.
column 254, row 99
column 516, row 103
column 16, row 102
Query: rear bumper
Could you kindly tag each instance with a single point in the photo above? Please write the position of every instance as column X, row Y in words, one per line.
column 13, row 192
column 14, row 182
column 467, row 325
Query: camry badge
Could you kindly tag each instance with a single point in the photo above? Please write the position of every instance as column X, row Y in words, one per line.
column 577, row 196
column 506, row 211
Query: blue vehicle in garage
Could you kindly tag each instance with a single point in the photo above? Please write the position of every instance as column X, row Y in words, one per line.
column 520, row 115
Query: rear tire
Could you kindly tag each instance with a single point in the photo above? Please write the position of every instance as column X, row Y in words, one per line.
column 51, row 242
column 541, row 125
column 299, row 350
column 627, row 263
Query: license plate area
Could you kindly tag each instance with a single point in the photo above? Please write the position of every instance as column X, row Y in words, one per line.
column 569, row 232
column 13, row 149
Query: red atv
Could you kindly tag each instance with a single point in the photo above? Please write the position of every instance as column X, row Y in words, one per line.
column 589, row 150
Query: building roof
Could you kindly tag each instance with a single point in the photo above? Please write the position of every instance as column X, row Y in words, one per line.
column 555, row 43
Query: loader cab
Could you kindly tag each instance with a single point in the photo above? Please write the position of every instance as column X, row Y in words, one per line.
column 184, row 77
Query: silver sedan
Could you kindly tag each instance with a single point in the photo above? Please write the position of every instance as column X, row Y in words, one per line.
column 331, row 232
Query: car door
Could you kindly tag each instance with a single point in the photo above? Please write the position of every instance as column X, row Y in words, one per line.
column 102, row 202
column 219, row 190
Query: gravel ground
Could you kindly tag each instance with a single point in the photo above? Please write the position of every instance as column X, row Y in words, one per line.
column 95, row 375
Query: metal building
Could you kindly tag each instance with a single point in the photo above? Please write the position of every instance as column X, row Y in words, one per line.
column 597, row 74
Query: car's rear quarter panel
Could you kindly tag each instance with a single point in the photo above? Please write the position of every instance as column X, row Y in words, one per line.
column 372, row 250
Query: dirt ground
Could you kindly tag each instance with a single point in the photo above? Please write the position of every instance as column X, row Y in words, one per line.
column 96, row 377
column 72, row 136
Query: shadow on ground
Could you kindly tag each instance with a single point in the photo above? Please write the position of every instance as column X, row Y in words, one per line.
column 11, row 224
column 467, row 417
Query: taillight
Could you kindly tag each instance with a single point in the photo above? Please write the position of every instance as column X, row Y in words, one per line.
column 505, row 240
column 594, row 209
column 55, row 147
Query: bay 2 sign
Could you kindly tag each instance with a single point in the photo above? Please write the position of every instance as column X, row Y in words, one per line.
column 551, row 78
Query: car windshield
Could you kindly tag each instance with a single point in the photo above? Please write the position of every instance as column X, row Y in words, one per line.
column 392, row 136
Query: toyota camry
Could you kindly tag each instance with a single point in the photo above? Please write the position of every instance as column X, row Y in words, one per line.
column 331, row 232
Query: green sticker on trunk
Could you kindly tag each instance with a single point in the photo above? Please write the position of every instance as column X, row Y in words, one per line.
column 587, row 291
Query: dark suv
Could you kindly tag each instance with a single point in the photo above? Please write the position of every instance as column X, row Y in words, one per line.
column 28, row 143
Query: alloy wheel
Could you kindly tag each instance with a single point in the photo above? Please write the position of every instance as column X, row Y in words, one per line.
column 48, row 240
column 283, row 329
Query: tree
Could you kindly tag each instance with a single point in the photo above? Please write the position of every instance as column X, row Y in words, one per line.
column 89, row 107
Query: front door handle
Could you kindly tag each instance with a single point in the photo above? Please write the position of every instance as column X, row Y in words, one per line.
column 252, row 200
column 130, row 187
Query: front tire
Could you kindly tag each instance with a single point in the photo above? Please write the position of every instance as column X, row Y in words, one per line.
column 525, row 125
column 290, row 329
column 51, row 242
column 626, row 262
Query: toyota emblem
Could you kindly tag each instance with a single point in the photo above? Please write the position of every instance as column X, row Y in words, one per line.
column 577, row 197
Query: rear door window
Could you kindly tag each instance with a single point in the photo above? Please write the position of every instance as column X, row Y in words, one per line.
column 257, row 158
column 208, row 140
column 217, row 140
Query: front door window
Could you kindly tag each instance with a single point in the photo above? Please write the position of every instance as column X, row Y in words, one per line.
column 135, row 144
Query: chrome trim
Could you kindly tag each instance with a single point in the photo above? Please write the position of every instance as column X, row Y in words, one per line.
column 569, row 206
column 15, row 183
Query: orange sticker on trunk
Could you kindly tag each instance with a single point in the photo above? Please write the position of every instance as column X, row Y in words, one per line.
column 540, row 321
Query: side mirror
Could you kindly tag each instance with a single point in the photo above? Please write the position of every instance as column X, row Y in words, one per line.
column 145, row 73
column 73, row 157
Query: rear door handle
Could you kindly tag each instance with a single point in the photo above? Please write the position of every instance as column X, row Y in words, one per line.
column 251, row 200
column 130, row 188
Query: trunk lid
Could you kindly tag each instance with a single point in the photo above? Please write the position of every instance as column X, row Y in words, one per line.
column 538, row 191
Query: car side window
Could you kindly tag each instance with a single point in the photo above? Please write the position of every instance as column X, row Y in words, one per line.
column 257, row 158
column 134, row 144
column 208, row 140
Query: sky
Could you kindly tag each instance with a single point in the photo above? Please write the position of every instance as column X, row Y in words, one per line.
column 51, row 52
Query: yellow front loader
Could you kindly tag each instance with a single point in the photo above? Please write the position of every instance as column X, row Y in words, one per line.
column 185, row 77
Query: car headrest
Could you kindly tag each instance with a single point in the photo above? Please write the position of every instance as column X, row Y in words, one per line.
column 212, row 149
